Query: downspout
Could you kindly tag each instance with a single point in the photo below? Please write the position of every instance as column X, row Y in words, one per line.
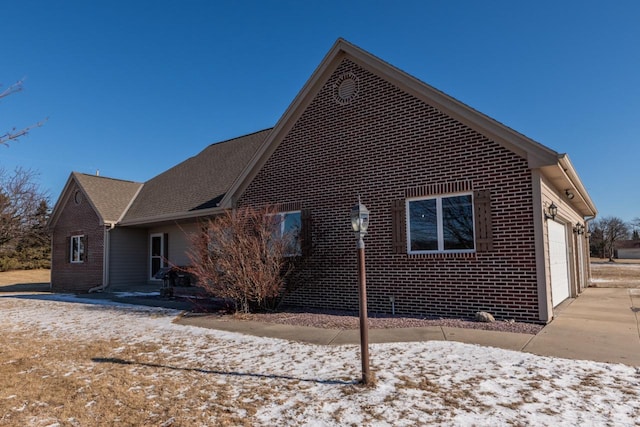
column 588, row 219
column 105, row 260
column 51, row 266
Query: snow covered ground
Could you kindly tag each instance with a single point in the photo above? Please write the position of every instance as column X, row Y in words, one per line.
column 288, row 383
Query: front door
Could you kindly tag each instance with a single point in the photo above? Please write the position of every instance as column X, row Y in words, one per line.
column 157, row 251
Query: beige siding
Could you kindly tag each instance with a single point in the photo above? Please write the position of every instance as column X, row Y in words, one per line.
column 128, row 256
column 629, row 253
column 178, row 236
column 578, row 245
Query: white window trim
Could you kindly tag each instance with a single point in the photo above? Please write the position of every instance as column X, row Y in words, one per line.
column 79, row 238
column 439, row 229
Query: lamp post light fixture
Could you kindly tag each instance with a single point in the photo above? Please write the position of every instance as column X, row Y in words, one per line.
column 553, row 211
column 360, row 223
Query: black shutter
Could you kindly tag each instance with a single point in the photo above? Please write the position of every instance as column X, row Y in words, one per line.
column 68, row 248
column 85, row 245
column 484, row 225
column 306, row 233
column 398, row 226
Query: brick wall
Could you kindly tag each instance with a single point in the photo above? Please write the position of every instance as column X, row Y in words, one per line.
column 379, row 146
column 77, row 219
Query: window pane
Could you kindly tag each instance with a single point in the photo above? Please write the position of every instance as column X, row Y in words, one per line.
column 291, row 230
column 457, row 222
column 423, row 222
column 80, row 249
column 156, row 264
column 74, row 249
column 292, row 223
column 77, row 249
column 156, row 246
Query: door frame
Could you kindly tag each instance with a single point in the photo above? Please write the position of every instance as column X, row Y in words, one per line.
column 163, row 255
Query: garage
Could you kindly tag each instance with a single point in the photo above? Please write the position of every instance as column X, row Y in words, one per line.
column 558, row 262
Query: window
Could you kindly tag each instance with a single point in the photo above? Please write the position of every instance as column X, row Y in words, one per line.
column 289, row 225
column 77, row 249
column 441, row 224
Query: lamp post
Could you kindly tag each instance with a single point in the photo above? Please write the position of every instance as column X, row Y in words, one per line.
column 360, row 222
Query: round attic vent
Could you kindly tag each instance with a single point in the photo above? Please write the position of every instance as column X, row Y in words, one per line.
column 345, row 88
column 77, row 197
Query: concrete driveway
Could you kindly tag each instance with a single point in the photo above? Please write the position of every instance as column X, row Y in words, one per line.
column 602, row 324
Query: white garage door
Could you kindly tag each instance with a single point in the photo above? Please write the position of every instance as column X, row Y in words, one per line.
column 558, row 262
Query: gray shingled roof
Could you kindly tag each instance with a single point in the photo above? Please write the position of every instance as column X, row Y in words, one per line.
column 109, row 196
column 199, row 182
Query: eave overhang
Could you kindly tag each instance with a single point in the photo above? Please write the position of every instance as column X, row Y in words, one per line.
column 563, row 177
column 171, row 218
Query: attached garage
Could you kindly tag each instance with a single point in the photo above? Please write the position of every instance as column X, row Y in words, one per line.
column 558, row 262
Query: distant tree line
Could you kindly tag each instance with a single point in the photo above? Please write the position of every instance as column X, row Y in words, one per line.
column 25, row 242
column 24, row 209
column 607, row 231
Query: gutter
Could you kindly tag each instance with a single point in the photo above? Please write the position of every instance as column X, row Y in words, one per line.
column 105, row 260
column 572, row 176
column 171, row 217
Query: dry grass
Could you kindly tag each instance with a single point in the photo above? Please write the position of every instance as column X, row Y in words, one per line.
column 621, row 273
column 46, row 381
column 90, row 380
column 24, row 277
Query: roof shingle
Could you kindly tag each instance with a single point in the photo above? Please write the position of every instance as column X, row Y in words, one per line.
column 199, row 182
column 109, row 196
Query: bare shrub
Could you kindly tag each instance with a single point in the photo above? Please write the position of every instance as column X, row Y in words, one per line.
column 240, row 255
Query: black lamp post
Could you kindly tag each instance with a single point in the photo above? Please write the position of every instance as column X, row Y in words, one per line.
column 360, row 222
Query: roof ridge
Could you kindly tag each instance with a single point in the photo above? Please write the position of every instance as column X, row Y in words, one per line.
column 238, row 137
column 106, row 177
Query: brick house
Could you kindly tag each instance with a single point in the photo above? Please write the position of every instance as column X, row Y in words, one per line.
column 466, row 213
column 122, row 232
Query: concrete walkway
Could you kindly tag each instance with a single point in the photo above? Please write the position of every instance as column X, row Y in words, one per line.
column 602, row 324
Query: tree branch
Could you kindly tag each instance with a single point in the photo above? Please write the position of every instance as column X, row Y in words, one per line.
column 14, row 134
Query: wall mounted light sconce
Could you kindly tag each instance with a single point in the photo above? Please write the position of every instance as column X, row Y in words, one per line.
column 579, row 228
column 569, row 194
column 551, row 211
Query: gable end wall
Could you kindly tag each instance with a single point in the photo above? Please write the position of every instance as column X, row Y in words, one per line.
column 379, row 146
column 77, row 219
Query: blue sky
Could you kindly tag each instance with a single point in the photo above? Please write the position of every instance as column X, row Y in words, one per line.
column 133, row 87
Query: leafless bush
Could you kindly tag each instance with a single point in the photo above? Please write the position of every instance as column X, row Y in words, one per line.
column 239, row 255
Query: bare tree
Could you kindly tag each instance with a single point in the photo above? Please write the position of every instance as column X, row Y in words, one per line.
column 240, row 256
column 635, row 225
column 607, row 231
column 14, row 133
column 24, row 211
